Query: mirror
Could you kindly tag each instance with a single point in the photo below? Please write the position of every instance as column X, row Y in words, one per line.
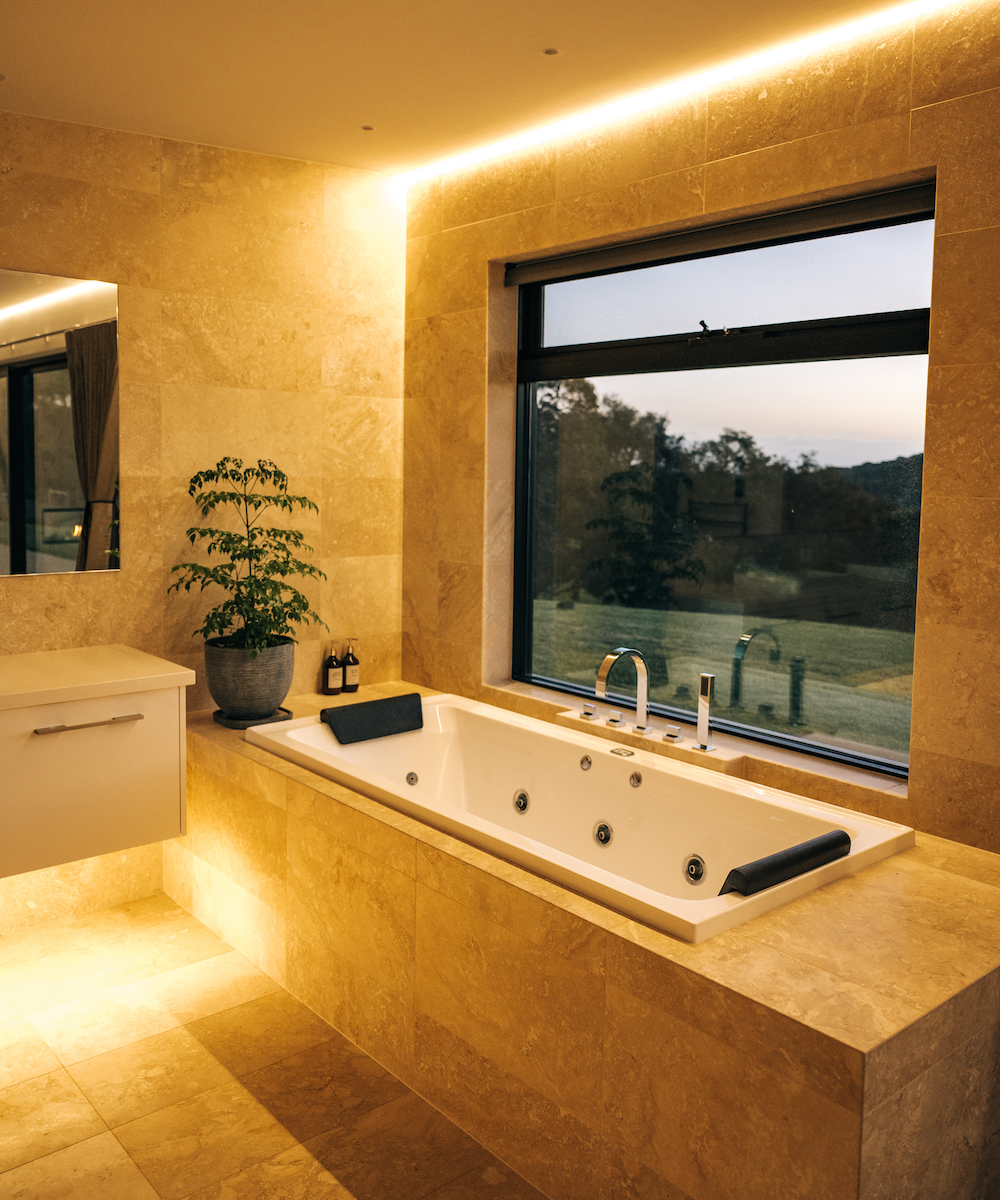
column 58, row 425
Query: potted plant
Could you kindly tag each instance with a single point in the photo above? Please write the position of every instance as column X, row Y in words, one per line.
column 249, row 640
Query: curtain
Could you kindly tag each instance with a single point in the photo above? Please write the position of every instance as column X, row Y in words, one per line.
column 92, row 355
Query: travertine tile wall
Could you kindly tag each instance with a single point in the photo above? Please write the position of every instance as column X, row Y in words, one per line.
column 260, row 306
column 79, row 887
column 911, row 102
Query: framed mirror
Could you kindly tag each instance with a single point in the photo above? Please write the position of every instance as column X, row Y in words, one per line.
column 59, row 507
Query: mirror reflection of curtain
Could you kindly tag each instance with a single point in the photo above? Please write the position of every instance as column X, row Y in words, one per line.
column 92, row 354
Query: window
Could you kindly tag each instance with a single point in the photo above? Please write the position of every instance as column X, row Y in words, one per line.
column 720, row 456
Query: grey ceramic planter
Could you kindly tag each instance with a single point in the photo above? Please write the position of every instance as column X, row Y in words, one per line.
column 245, row 687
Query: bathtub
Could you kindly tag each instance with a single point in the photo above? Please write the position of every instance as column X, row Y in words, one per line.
column 617, row 825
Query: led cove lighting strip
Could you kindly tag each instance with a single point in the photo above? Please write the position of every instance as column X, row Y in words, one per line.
column 88, row 285
column 657, row 97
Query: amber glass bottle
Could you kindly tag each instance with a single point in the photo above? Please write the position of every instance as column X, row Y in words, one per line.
column 352, row 671
column 333, row 675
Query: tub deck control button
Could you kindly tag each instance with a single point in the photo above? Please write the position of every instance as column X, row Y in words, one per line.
column 623, row 753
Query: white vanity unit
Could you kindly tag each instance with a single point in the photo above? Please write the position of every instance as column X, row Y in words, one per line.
column 91, row 754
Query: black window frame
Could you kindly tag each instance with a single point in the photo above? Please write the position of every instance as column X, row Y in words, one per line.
column 869, row 335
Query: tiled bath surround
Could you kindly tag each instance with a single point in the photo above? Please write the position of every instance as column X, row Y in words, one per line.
column 914, row 102
column 840, row 1048
column 260, row 315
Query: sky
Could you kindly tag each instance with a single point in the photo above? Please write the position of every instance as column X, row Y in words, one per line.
column 848, row 412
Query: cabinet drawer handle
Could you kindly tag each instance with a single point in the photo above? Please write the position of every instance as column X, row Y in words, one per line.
column 91, row 724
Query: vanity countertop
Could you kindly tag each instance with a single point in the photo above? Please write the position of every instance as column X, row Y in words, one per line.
column 51, row 676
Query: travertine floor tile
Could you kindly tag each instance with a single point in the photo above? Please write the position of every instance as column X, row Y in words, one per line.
column 493, row 1182
column 42, row 1115
column 140, row 1078
column 403, row 1150
column 311, row 1092
column 85, row 1028
column 174, row 942
column 85, row 931
column 84, row 971
column 292, row 1175
column 97, row 1169
column 204, row 988
column 24, row 1053
column 202, row 1140
column 260, row 1033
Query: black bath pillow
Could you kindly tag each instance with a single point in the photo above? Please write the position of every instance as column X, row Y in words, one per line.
column 754, row 877
column 375, row 718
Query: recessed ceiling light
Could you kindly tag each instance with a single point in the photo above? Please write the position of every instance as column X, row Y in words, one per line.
column 550, row 51
column 369, row 128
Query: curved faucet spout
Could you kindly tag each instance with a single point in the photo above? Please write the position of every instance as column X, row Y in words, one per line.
column 641, row 682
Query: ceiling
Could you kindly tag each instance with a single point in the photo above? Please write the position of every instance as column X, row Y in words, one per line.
column 301, row 78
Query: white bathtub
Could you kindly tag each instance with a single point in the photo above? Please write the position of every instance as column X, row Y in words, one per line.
column 470, row 761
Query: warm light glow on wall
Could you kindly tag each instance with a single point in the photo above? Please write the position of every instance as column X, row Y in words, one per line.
column 77, row 289
column 618, row 110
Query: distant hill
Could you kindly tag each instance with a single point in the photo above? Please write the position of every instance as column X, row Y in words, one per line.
column 897, row 479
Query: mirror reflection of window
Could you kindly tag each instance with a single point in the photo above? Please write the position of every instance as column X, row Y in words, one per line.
column 4, row 480
column 58, row 424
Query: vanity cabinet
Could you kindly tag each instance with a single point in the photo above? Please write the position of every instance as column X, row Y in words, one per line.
column 91, row 754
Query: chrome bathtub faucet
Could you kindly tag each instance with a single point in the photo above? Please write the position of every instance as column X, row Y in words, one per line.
column 705, row 685
column 641, row 726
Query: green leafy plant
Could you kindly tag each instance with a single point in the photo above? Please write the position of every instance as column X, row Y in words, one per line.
column 262, row 605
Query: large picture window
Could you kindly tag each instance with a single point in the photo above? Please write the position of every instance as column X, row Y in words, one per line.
column 720, row 458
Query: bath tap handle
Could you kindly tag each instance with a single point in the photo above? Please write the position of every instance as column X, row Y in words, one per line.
column 704, row 711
